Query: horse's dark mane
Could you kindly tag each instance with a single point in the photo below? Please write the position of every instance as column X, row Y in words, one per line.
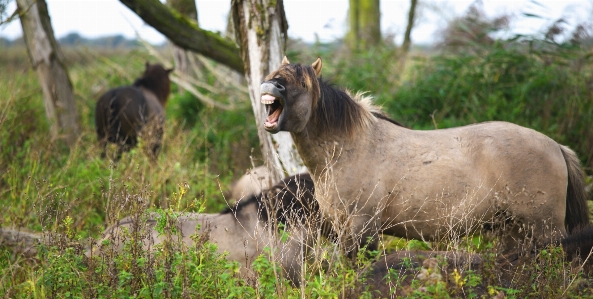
column 387, row 118
column 340, row 113
column 253, row 199
column 337, row 112
column 292, row 197
column 156, row 79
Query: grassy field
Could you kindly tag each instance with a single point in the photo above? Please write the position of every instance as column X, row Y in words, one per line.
column 46, row 187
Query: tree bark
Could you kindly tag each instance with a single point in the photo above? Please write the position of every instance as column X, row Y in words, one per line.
column 185, row 33
column 47, row 60
column 364, row 17
column 260, row 29
column 188, row 9
column 407, row 36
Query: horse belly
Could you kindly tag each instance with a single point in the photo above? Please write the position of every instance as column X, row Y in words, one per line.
column 434, row 217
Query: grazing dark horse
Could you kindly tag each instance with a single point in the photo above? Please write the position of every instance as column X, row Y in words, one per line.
column 242, row 230
column 125, row 113
column 373, row 175
column 391, row 276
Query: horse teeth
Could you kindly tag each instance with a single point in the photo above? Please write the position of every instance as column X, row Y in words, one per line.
column 267, row 102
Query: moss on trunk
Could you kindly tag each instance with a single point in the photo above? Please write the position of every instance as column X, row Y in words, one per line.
column 186, row 33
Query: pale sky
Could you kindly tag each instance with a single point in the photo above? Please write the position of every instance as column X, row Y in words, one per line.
column 306, row 18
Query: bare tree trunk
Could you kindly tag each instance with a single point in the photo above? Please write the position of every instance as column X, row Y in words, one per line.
column 47, row 60
column 188, row 9
column 407, row 36
column 364, row 17
column 260, row 29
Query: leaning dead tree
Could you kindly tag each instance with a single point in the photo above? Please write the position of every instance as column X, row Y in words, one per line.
column 186, row 34
column 260, row 29
column 48, row 62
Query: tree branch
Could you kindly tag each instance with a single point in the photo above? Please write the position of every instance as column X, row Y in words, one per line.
column 186, row 34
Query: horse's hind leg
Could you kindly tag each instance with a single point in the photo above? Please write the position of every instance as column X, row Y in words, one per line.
column 103, row 147
column 518, row 236
column 154, row 151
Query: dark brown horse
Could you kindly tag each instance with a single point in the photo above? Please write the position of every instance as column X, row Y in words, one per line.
column 125, row 113
column 391, row 276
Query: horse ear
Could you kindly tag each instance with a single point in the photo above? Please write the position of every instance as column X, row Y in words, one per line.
column 146, row 65
column 317, row 66
column 285, row 60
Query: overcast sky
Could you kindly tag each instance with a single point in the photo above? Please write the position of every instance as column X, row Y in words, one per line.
column 307, row 19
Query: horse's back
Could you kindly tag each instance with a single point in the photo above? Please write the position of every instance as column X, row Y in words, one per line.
column 119, row 113
column 473, row 172
column 490, row 153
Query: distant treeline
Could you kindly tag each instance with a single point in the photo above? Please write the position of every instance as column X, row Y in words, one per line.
column 75, row 39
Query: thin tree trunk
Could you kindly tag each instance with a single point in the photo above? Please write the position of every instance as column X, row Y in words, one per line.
column 364, row 17
column 260, row 29
column 47, row 60
column 188, row 9
column 407, row 36
column 353, row 35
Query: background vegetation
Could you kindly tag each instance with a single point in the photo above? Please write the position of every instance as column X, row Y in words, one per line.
column 45, row 187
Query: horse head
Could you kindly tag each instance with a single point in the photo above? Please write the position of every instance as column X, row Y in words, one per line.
column 290, row 94
column 156, row 79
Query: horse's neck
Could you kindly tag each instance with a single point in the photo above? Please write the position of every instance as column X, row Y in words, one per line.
column 319, row 151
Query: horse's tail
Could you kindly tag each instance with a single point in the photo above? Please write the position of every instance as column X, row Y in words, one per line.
column 579, row 244
column 577, row 211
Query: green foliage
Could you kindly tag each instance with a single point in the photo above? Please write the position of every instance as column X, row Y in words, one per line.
column 539, row 85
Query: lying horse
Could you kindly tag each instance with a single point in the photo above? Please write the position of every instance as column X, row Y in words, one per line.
column 372, row 174
column 243, row 230
column 125, row 113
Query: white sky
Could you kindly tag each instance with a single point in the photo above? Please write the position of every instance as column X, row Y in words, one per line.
column 306, row 18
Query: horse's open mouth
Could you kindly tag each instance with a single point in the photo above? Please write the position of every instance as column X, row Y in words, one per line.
column 273, row 108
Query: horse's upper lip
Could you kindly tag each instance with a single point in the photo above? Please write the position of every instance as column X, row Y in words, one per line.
column 271, row 91
column 268, row 99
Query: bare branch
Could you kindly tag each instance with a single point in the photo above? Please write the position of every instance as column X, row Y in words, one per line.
column 186, row 34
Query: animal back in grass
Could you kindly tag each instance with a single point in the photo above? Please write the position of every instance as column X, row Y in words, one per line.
column 252, row 182
column 126, row 113
column 374, row 175
column 243, row 231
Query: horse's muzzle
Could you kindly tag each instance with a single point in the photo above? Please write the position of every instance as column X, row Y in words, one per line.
column 272, row 88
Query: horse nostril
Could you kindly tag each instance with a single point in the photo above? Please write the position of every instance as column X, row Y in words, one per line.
column 278, row 86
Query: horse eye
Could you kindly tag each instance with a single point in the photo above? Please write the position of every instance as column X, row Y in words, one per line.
column 303, row 84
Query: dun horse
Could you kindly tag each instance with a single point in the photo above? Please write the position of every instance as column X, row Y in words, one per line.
column 372, row 174
column 125, row 113
column 243, row 231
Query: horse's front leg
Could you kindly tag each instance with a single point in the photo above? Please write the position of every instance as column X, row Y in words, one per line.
column 360, row 231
